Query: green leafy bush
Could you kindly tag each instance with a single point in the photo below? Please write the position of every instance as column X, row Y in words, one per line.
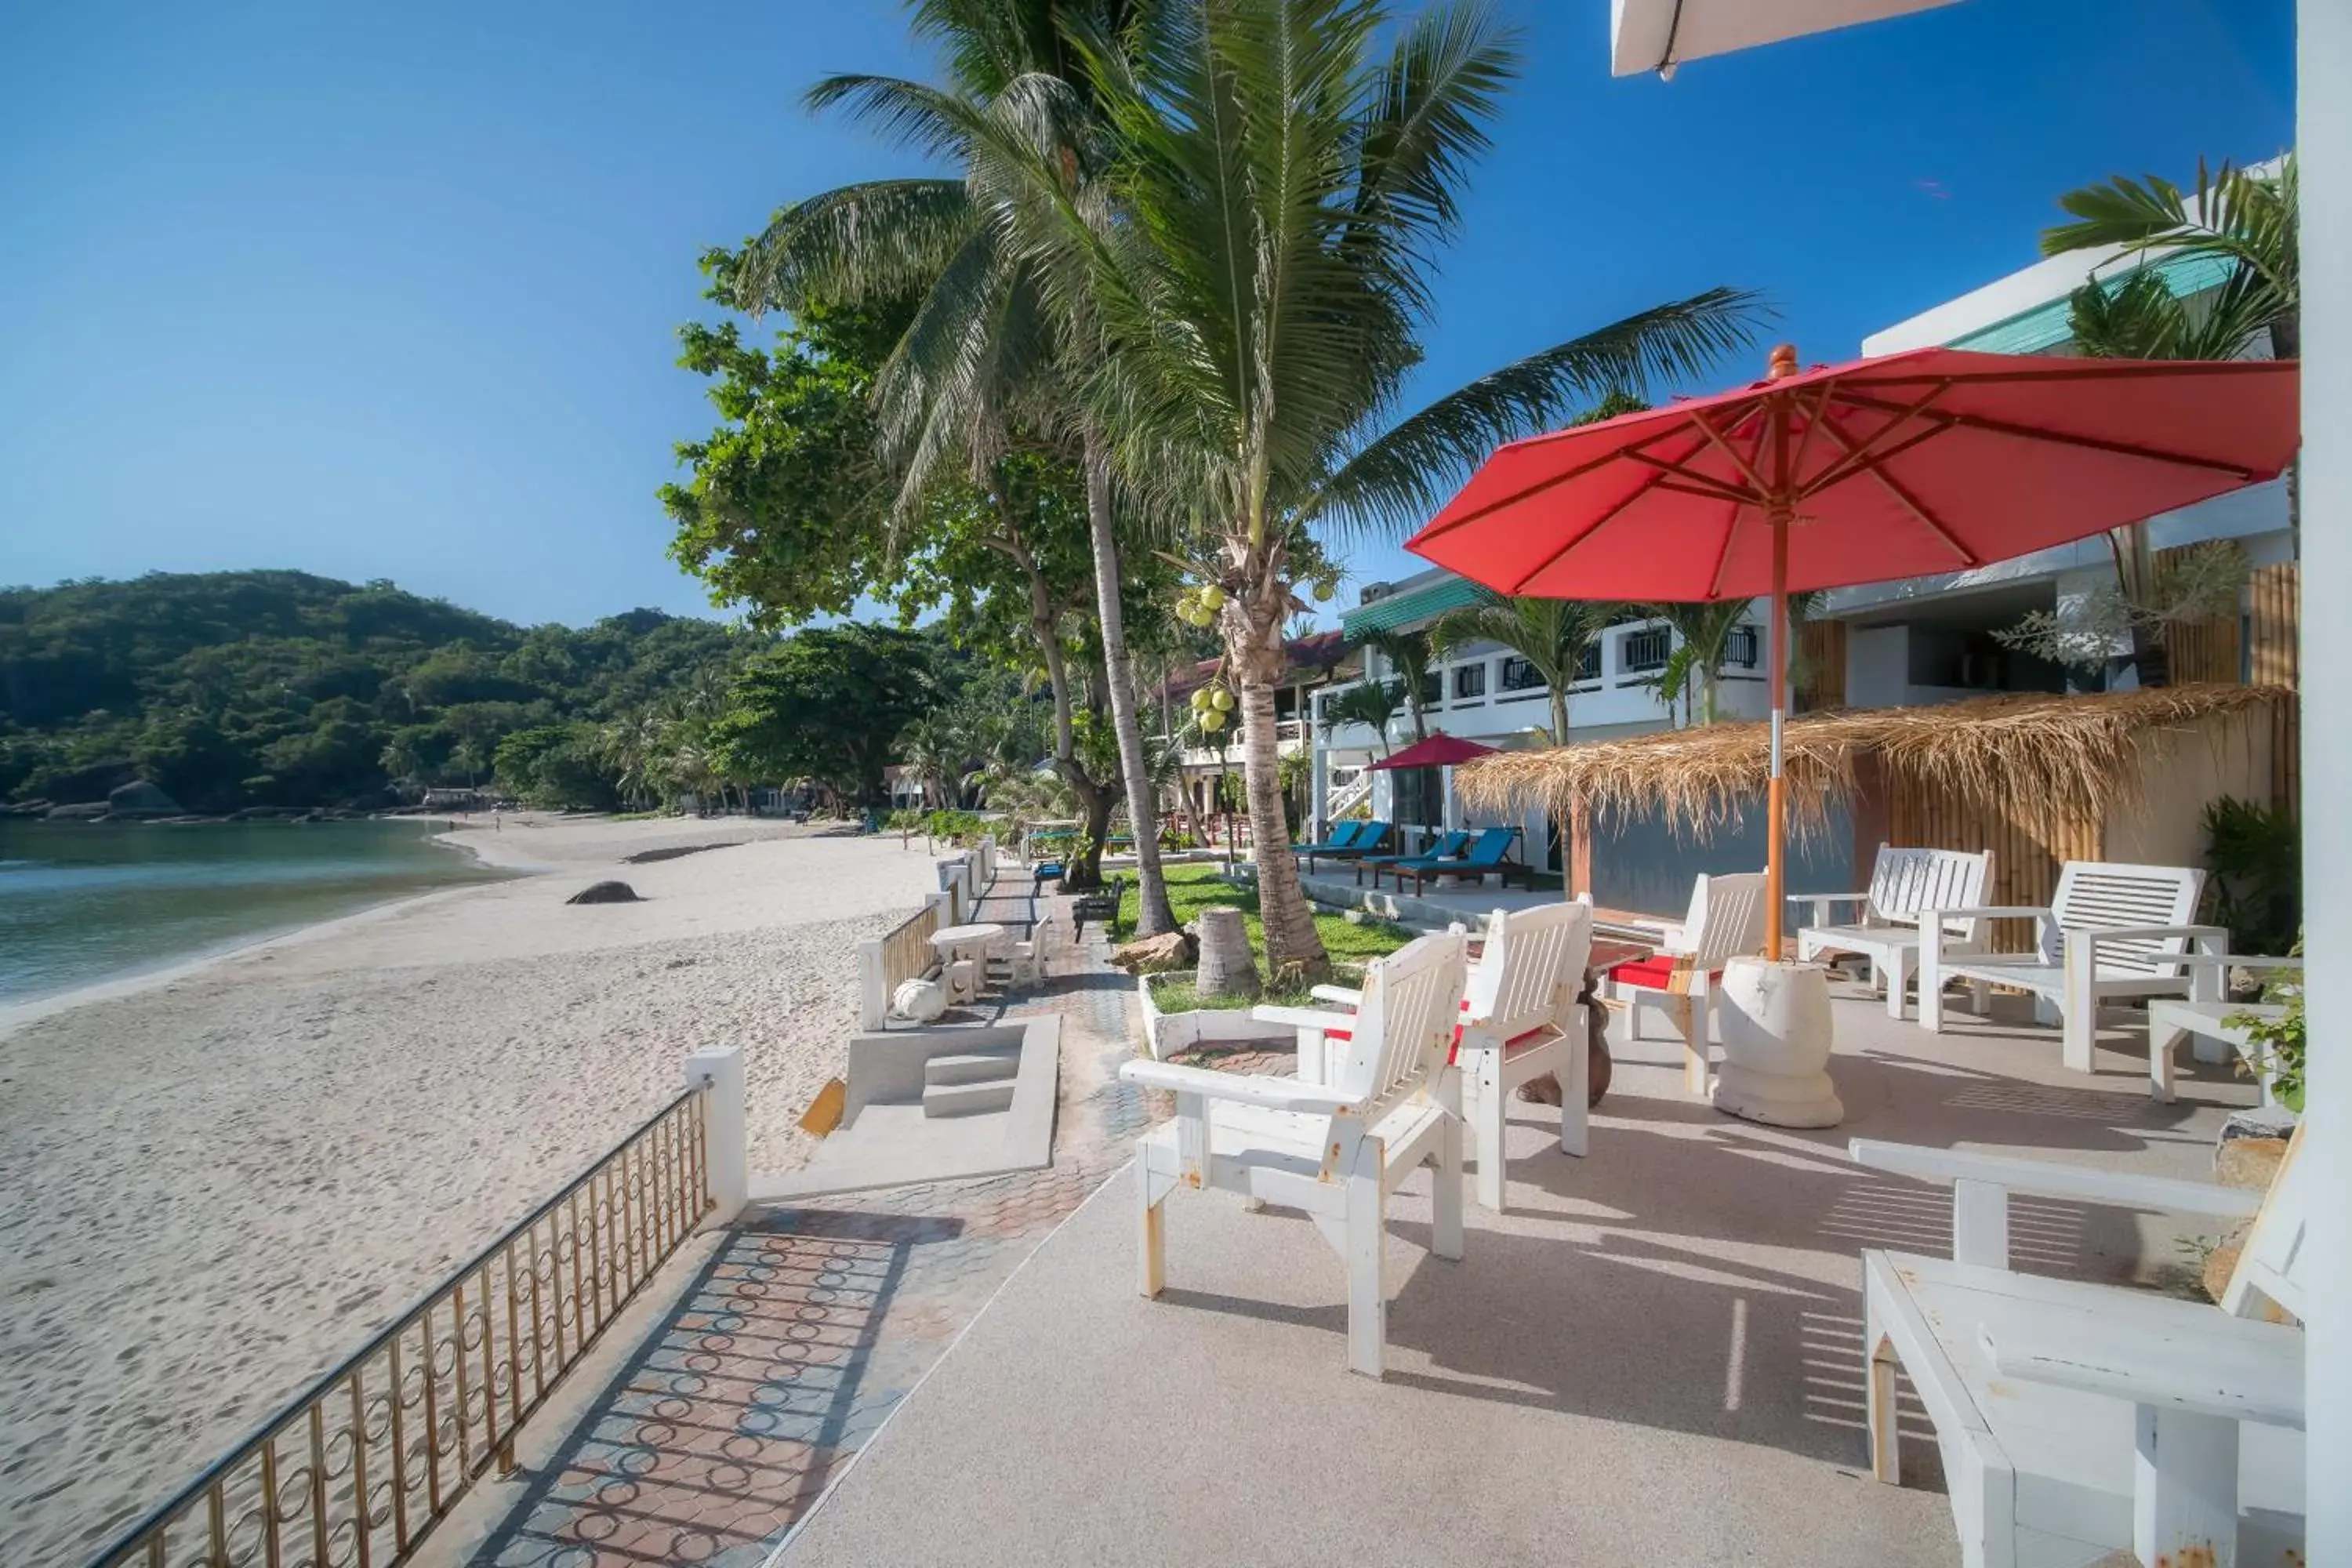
column 2255, row 855
column 2279, row 1039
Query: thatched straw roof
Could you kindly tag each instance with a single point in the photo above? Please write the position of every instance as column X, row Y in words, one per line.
column 2042, row 760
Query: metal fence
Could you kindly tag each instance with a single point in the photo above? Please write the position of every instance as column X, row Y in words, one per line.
column 359, row 1467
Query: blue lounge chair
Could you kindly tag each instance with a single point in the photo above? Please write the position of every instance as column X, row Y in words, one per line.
column 1343, row 835
column 1447, row 848
column 1491, row 853
column 1371, row 838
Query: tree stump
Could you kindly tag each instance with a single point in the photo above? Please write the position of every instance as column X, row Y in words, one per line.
column 1226, row 966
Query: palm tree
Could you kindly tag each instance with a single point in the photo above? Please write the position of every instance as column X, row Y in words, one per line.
column 1287, row 174
column 1369, row 703
column 2245, row 217
column 1702, row 642
column 1407, row 653
column 1552, row 634
column 990, row 348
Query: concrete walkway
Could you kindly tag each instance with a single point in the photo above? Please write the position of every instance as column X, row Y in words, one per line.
column 1656, row 1358
column 806, row 1327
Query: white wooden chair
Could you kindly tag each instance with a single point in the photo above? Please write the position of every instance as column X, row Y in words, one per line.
column 2111, row 931
column 1520, row 1019
column 2076, row 1419
column 1727, row 918
column 1902, row 883
column 1336, row 1151
column 2171, row 1021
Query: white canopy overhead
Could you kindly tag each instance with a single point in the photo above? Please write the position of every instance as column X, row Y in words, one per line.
column 1658, row 35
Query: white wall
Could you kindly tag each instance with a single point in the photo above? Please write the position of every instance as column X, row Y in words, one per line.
column 1878, row 665
column 2324, row 128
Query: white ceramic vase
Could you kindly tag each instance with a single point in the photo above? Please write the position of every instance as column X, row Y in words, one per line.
column 1776, row 1026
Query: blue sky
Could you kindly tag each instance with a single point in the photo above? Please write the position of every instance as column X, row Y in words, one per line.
column 389, row 291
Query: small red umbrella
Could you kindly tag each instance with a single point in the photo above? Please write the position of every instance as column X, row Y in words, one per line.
column 1440, row 751
column 1933, row 460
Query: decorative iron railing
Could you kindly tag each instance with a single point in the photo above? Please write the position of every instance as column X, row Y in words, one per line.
column 358, row 1468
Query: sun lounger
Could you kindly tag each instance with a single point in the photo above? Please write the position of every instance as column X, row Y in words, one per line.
column 1447, row 848
column 1490, row 854
column 1371, row 840
column 1343, row 837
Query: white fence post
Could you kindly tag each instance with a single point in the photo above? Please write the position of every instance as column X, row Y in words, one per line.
column 726, row 1140
column 873, row 985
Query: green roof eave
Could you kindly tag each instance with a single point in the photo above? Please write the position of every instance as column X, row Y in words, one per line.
column 2047, row 325
column 1423, row 604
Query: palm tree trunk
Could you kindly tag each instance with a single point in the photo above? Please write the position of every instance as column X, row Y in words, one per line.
column 1154, row 917
column 1294, row 949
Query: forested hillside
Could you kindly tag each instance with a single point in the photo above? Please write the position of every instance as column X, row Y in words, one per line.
column 234, row 689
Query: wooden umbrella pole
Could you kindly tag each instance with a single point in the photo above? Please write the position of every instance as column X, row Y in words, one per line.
column 1780, row 511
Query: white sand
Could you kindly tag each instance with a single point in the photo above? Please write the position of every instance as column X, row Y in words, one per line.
column 220, row 1182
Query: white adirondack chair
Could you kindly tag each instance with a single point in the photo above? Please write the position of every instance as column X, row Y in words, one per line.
column 2111, row 931
column 2204, row 1016
column 1336, row 1151
column 1727, row 918
column 2076, row 1418
column 1902, row 883
column 1520, row 1019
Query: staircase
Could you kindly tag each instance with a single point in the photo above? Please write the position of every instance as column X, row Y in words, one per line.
column 971, row 1083
column 1340, row 802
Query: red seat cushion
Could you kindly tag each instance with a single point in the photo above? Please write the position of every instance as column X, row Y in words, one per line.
column 1653, row 974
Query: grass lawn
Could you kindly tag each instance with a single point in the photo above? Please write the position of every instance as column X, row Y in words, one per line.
column 1195, row 888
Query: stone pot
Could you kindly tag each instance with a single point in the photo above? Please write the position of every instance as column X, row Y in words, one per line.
column 1777, row 1029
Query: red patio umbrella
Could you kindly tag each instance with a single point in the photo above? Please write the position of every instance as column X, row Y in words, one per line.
column 1440, row 751
column 1933, row 460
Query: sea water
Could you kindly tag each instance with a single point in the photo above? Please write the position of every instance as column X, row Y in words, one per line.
column 86, row 902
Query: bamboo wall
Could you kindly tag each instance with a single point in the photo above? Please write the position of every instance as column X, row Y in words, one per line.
column 1821, row 666
column 2024, row 864
column 2273, row 657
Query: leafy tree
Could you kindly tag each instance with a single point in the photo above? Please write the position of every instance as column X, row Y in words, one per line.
column 829, row 703
column 994, row 347
column 1369, row 703
column 1552, row 634
column 1283, row 177
column 1408, row 653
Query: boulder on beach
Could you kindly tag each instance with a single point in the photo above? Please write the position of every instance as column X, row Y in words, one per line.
column 140, row 798
column 84, row 810
column 605, row 893
column 1156, row 954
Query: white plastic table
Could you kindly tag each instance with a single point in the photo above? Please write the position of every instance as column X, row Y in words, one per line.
column 956, row 944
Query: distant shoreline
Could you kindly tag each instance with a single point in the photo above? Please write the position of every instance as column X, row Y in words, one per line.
column 135, row 978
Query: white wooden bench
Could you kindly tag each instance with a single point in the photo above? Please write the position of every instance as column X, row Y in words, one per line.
column 1335, row 1150
column 1903, row 882
column 2076, row 1418
column 1726, row 920
column 2111, row 931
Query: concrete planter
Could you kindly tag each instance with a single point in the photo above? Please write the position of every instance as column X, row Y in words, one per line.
column 1777, row 1028
column 1167, row 1033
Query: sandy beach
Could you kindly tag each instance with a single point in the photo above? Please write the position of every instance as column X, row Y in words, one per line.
column 221, row 1180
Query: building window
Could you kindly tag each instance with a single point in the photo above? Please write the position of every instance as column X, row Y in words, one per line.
column 1588, row 663
column 1647, row 650
column 1739, row 648
column 1469, row 681
column 1518, row 675
column 1432, row 688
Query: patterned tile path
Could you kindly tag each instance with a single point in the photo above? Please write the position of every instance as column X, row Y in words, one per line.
column 808, row 1325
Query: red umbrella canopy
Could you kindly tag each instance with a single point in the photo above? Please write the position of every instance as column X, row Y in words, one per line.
column 1933, row 460
column 1440, row 751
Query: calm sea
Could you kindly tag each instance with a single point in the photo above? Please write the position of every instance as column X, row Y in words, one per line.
column 84, row 901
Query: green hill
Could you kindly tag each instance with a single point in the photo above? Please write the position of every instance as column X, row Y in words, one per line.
column 234, row 689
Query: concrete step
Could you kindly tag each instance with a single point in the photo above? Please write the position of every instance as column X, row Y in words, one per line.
column 968, row 1098
column 971, row 1066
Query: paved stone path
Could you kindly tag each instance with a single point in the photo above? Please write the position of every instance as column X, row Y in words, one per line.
column 809, row 1324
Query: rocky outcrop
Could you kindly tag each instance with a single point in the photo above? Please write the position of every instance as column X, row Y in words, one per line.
column 90, row 785
column 140, row 798
column 84, row 810
column 1156, row 954
column 605, row 893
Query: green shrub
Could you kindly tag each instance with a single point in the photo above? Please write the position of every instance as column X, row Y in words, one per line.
column 2255, row 854
column 2282, row 1039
